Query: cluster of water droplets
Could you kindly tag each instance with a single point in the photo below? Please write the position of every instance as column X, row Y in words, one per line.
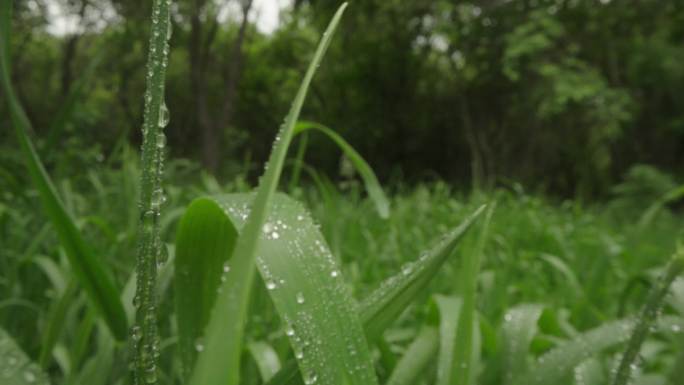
column 15, row 365
column 152, row 252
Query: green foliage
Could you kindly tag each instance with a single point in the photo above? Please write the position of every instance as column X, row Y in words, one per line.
column 89, row 270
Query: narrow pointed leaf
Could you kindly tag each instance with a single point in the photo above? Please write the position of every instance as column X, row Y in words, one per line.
column 88, row 268
column 219, row 362
column 390, row 299
column 465, row 349
column 373, row 187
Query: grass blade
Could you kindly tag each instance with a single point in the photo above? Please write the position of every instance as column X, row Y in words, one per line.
column 519, row 328
column 304, row 283
column 385, row 304
column 15, row 366
column 464, row 351
column 414, row 363
column 373, row 187
column 449, row 309
column 561, row 360
column 150, row 252
column 648, row 315
column 88, row 269
column 219, row 363
column 205, row 240
column 265, row 358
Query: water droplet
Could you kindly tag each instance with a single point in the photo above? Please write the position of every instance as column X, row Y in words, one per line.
column 275, row 235
column 163, row 115
column 334, row 273
column 310, row 378
column 676, row 328
column 158, row 198
column 270, row 285
column 226, row 267
column 300, row 298
column 136, row 333
column 151, row 374
column 161, row 140
column 199, row 345
column 508, row 317
column 29, row 376
column 407, row 269
column 290, row 332
column 268, row 227
column 300, row 217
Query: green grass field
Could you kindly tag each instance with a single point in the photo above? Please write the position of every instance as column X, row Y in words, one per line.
column 152, row 272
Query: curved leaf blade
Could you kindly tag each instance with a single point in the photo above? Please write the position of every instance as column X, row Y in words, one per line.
column 373, row 187
column 88, row 269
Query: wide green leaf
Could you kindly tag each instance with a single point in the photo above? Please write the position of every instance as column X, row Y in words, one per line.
column 219, row 362
column 382, row 307
column 88, row 268
column 15, row 366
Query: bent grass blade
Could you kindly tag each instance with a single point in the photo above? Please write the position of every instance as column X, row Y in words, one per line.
column 88, row 268
column 219, row 362
column 373, row 187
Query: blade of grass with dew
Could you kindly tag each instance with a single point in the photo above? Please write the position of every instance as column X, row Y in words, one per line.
column 414, row 364
column 519, row 328
column 390, row 299
column 15, row 366
column 151, row 251
column 464, row 351
column 559, row 362
column 648, row 315
column 219, row 362
column 373, row 187
column 309, row 293
column 88, row 269
column 450, row 310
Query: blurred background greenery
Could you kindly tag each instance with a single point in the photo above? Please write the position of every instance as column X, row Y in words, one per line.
column 563, row 96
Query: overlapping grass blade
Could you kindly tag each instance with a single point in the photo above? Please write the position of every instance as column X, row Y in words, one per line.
column 219, row 363
column 206, row 238
column 301, row 277
column 415, row 362
column 373, row 187
column 449, row 309
column 15, row 366
column 519, row 328
column 88, row 269
column 648, row 315
column 266, row 359
column 561, row 360
column 385, row 304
